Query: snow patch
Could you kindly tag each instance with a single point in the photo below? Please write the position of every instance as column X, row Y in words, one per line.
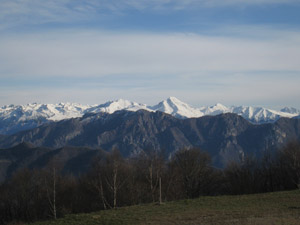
column 14, row 118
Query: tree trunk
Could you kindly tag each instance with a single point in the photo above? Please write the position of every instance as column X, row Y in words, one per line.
column 102, row 195
column 115, row 188
column 160, row 198
column 54, row 194
column 151, row 182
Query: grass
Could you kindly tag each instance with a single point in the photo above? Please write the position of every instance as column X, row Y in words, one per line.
column 259, row 209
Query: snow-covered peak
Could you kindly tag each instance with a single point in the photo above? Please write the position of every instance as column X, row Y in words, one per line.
column 15, row 118
column 215, row 109
column 46, row 111
column 175, row 101
column 120, row 104
column 220, row 107
column 260, row 114
column 176, row 108
column 290, row 110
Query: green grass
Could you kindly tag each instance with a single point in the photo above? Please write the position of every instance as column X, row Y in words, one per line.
column 270, row 208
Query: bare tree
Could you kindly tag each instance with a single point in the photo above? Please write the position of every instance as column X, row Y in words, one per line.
column 191, row 167
column 96, row 180
column 52, row 176
column 268, row 172
column 115, row 174
column 150, row 165
column 290, row 162
column 243, row 177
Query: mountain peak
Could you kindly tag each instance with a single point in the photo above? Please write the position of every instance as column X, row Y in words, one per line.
column 290, row 110
column 177, row 108
column 119, row 104
column 219, row 104
column 174, row 99
column 14, row 118
column 220, row 108
column 122, row 103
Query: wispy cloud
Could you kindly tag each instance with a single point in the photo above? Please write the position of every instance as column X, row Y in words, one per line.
column 47, row 56
column 255, row 89
column 23, row 12
column 94, row 53
column 94, row 66
column 27, row 12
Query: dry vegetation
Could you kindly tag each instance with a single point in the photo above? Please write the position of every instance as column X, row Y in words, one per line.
column 270, row 208
column 114, row 183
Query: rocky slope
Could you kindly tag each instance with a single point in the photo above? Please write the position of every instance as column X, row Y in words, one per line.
column 18, row 118
column 226, row 137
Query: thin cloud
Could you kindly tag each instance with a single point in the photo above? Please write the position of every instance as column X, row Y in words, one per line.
column 94, row 53
column 245, row 89
column 93, row 66
column 228, row 65
column 19, row 12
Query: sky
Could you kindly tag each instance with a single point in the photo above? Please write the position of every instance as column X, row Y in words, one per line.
column 234, row 52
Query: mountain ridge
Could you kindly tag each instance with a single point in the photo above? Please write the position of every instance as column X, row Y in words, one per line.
column 225, row 137
column 23, row 117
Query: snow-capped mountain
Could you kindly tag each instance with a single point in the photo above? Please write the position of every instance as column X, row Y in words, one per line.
column 112, row 106
column 180, row 109
column 215, row 110
column 22, row 117
column 259, row 114
column 177, row 108
column 48, row 111
column 290, row 110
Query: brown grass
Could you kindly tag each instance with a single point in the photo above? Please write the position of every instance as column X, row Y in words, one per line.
column 259, row 209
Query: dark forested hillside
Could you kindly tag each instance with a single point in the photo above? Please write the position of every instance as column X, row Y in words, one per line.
column 71, row 160
column 225, row 137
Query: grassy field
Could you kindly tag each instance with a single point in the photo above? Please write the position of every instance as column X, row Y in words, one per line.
column 270, row 208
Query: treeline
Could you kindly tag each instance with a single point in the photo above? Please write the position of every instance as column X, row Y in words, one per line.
column 114, row 181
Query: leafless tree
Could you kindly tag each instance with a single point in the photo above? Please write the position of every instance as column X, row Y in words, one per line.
column 191, row 168
column 290, row 162
column 96, row 180
column 115, row 174
column 150, row 165
column 52, row 177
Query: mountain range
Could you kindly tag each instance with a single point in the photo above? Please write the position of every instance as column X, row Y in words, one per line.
column 226, row 137
column 34, row 134
column 15, row 118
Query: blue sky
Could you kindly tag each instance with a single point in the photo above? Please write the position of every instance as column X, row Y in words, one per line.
column 236, row 52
